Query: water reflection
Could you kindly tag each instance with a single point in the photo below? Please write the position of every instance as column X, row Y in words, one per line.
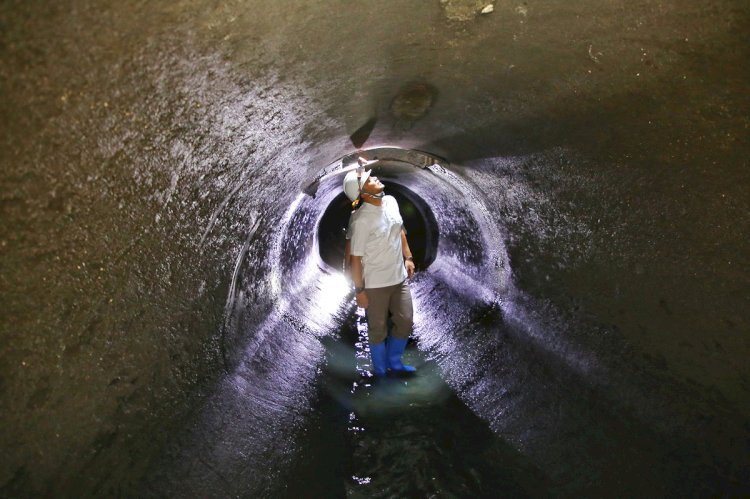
column 365, row 394
column 398, row 437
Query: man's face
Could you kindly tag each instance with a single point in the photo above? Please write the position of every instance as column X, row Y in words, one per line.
column 373, row 185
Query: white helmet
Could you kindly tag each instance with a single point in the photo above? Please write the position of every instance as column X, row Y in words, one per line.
column 353, row 183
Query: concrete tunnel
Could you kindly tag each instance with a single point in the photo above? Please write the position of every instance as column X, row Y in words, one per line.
column 575, row 178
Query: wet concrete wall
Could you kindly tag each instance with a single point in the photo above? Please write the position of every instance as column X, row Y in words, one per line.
column 146, row 148
column 128, row 191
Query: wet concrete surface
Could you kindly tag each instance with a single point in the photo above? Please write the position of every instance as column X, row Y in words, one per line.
column 153, row 157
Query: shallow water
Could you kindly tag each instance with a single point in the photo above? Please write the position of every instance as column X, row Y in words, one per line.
column 399, row 436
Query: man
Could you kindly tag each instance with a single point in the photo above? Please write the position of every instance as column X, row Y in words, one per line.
column 381, row 262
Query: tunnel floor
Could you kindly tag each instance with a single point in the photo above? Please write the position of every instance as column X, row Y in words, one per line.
column 399, row 436
column 417, row 437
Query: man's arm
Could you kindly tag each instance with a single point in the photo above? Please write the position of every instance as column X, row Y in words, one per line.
column 359, row 281
column 347, row 257
column 406, row 252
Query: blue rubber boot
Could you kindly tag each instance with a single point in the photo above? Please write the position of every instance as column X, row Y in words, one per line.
column 379, row 359
column 396, row 349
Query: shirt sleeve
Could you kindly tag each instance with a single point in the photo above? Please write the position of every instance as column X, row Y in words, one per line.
column 349, row 229
column 397, row 211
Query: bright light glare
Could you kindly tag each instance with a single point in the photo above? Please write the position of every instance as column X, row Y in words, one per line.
column 333, row 289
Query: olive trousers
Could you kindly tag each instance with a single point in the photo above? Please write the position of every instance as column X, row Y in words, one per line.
column 395, row 300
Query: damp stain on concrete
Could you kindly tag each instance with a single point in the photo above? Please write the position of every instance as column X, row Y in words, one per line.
column 412, row 102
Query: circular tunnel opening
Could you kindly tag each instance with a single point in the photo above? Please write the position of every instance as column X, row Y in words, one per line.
column 419, row 223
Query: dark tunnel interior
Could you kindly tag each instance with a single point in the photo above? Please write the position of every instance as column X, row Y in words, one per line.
column 573, row 179
column 419, row 223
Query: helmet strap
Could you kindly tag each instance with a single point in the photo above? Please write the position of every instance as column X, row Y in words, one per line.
column 379, row 195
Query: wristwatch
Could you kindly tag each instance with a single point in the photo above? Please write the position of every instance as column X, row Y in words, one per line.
column 358, row 290
column 409, row 258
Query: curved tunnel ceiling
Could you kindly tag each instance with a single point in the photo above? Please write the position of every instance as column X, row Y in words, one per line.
column 169, row 328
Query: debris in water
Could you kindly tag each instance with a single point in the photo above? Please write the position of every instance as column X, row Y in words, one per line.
column 488, row 8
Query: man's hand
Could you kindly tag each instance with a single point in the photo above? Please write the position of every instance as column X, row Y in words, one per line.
column 409, row 268
column 362, row 300
column 408, row 259
column 359, row 283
